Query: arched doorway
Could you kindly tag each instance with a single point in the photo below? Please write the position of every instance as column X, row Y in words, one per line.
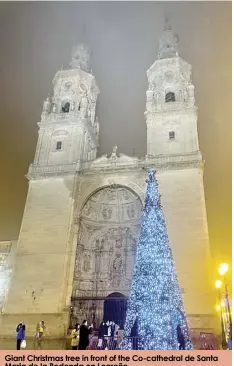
column 115, row 307
column 106, row 247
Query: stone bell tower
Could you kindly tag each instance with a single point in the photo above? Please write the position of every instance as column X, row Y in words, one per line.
column 172, row 137
column 68, row 131
column 171, row 114
column 68, row 137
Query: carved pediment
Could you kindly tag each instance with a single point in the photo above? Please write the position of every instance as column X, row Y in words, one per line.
column 114, row 159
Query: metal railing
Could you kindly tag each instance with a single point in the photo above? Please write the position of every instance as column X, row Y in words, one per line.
column 134, row 343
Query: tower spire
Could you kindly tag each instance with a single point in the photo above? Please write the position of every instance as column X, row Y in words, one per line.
column 167, row 25
column 168, row 42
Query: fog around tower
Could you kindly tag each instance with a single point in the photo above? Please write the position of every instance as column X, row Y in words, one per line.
column 36, row 41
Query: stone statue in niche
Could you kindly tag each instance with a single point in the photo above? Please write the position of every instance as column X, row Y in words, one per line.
column 86, row 263
column 118, row 241
column 54, row 108
column 117, row 269
column 100, row 244
column 131, row 212
column 107, row 212
column 72, row 108
column 84, row 106
column 47, row 106
column 125, row 194
column 117, row 264
column 115, row 281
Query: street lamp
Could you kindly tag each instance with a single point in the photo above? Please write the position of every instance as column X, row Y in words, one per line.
column 223, row 268
column 218, row 285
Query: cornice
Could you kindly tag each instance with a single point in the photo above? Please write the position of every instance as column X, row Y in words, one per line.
column 160, row 163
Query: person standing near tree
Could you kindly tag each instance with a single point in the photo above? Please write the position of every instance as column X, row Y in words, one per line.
column 20, row 334
column 180, row 338
column 134, row 335
column 75, row 337
column 84, row 335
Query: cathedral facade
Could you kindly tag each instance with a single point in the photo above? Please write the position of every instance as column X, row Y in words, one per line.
column 79, row 232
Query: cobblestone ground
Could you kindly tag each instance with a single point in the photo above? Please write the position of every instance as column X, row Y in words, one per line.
column 60, row 344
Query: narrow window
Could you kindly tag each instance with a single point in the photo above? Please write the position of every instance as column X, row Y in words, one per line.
column 171, row 135
column 66, row 107
column 59, row 145
column 170, row 97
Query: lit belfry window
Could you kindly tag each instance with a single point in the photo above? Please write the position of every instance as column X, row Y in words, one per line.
column 170, row 97
column 172, row 135
column 66, row 107
column 59, row 145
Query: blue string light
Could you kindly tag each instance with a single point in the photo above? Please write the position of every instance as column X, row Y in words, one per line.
column 155, row 301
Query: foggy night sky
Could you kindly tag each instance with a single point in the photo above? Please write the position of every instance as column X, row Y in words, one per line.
column 36, row 40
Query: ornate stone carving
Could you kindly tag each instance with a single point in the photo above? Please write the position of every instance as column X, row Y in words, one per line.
column 91, row 230
column 87, row 262
column 87, row 209
column 117, row 264
column 125, row 194
column 107, row 212
column 131, row 211
column 47, row 106
column 110, row 194
column 84, row 106
column 117, row 269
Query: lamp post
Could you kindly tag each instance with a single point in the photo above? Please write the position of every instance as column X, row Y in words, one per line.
column 218, row 285
column 223, row 268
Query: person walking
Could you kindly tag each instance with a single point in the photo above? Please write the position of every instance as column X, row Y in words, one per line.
column 134, row 334
column 101, row 334
column 20, row 334
column 75, row 337
column 180, row 337
column 112, row 335
column 84, row 335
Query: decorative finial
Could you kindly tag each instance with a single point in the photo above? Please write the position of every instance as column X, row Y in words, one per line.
column 115, row 148
column 80, row 57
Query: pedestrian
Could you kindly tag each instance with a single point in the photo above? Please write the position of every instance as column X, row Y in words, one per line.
column 84, row 335
column 75, row 337
column 116, row 336
column 134, row 334
column 180, row 337
column 101, row 334
column 112, row 334
column 20, row 334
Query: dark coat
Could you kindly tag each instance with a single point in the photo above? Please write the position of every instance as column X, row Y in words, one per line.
column 112, row 330
column 134, row 330
column 134, row 335
column 180, row 336
column 84, row 337
column 20, row 330
column 102, row 330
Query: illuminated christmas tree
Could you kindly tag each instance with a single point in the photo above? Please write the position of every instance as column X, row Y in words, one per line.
column 155, row 306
